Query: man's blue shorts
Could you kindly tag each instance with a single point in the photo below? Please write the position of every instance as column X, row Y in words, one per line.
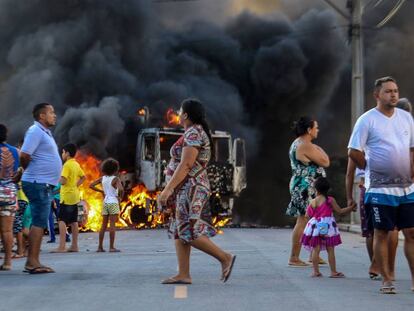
column 40, row 198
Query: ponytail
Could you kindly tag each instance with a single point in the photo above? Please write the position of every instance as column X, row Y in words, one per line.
column 206, row 129
column 196, row 113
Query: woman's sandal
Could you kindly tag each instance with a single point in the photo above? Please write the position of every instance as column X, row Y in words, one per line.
column 337, row 275
column 175, row 281
column 227, row 271
column 316, row 275
column 5, row 267
column 375, row 276
column 299, row 263
column 388, row 289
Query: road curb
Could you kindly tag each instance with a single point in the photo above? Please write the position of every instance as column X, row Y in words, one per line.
column 357, row 230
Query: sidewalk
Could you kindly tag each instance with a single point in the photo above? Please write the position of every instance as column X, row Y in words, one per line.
column 356, row 228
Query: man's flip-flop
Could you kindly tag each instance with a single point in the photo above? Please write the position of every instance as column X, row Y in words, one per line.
column 227, row 271
column 175, row 281
column 39, row 270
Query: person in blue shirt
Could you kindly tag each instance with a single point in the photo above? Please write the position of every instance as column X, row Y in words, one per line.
column 42, row 163
column 9, row 164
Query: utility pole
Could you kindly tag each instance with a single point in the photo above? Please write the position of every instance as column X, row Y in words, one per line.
column 358, row 95
column 356, row 9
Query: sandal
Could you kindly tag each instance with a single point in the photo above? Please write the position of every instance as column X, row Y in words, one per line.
column 4, row 267
column 175, row 281
column 316, row 275
column 299, row 263
column 227, row 271
column 337, row 275
column 321, row 261
column 387, row 289
column 375, row 276
column 38, row 270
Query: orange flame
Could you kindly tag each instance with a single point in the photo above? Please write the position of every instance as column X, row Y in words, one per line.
column 141, row 112
column 138, row 210
column 90, row 166
column 139, row 198
column 172, row 117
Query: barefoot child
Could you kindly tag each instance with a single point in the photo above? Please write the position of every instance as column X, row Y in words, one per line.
column 321, row 231
column 112, row 189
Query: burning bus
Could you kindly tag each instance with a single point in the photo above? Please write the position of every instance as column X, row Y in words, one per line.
column 227, row 175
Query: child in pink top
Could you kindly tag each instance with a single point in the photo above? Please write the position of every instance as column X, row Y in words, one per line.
column 320, row 210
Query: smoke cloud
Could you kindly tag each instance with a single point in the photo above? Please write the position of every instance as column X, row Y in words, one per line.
column 97, row 62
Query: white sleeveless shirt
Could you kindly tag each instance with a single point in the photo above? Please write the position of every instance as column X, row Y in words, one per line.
column 111, row 193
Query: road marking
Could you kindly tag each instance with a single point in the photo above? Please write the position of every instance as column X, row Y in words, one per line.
column 180, row 292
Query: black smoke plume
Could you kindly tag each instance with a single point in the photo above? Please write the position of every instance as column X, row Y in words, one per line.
column 97, row 62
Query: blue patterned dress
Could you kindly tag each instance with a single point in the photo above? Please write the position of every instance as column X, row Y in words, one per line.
column 191, row 200
column 301, row 184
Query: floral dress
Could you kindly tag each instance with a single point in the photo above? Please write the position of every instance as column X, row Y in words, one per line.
column 191, row 199
column 9, row 163
column 301, row 184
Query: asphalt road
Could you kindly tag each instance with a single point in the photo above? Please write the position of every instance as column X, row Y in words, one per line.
column 261, row 279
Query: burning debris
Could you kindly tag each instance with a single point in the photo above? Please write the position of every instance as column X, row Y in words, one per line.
column 172, row 118
column 138, row 207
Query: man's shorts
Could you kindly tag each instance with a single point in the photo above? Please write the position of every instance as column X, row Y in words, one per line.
column 40, row 197
column 110, row 209
column 68, row 213
column 390, row 217
column 367, row 228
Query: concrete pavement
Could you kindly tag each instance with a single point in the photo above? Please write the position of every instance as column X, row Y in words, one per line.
column 261, row 279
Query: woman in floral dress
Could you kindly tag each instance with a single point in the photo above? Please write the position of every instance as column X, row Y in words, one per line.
column 308, row 162
column 9, row 175
column 188, row 192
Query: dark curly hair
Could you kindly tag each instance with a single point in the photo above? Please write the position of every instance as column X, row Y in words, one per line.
column 322, row 185
column 301, row 126
column 109, row 166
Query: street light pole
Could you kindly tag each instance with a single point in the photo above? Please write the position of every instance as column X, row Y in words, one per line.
column 357, row 103
column 357, row 97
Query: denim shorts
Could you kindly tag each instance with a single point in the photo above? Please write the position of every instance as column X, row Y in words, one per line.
column 40, row 197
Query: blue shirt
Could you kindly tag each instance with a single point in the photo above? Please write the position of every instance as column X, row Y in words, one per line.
column 45, row 165
column 9, row 161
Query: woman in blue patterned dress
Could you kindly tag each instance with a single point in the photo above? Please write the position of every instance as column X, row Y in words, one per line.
column 188, row 192
column 308, row 162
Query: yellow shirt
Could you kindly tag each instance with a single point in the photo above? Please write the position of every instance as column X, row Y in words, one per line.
column 20, row 194
column 69, row 192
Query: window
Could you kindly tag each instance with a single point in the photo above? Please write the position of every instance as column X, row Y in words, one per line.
column 221, row 150
column 149, row 148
